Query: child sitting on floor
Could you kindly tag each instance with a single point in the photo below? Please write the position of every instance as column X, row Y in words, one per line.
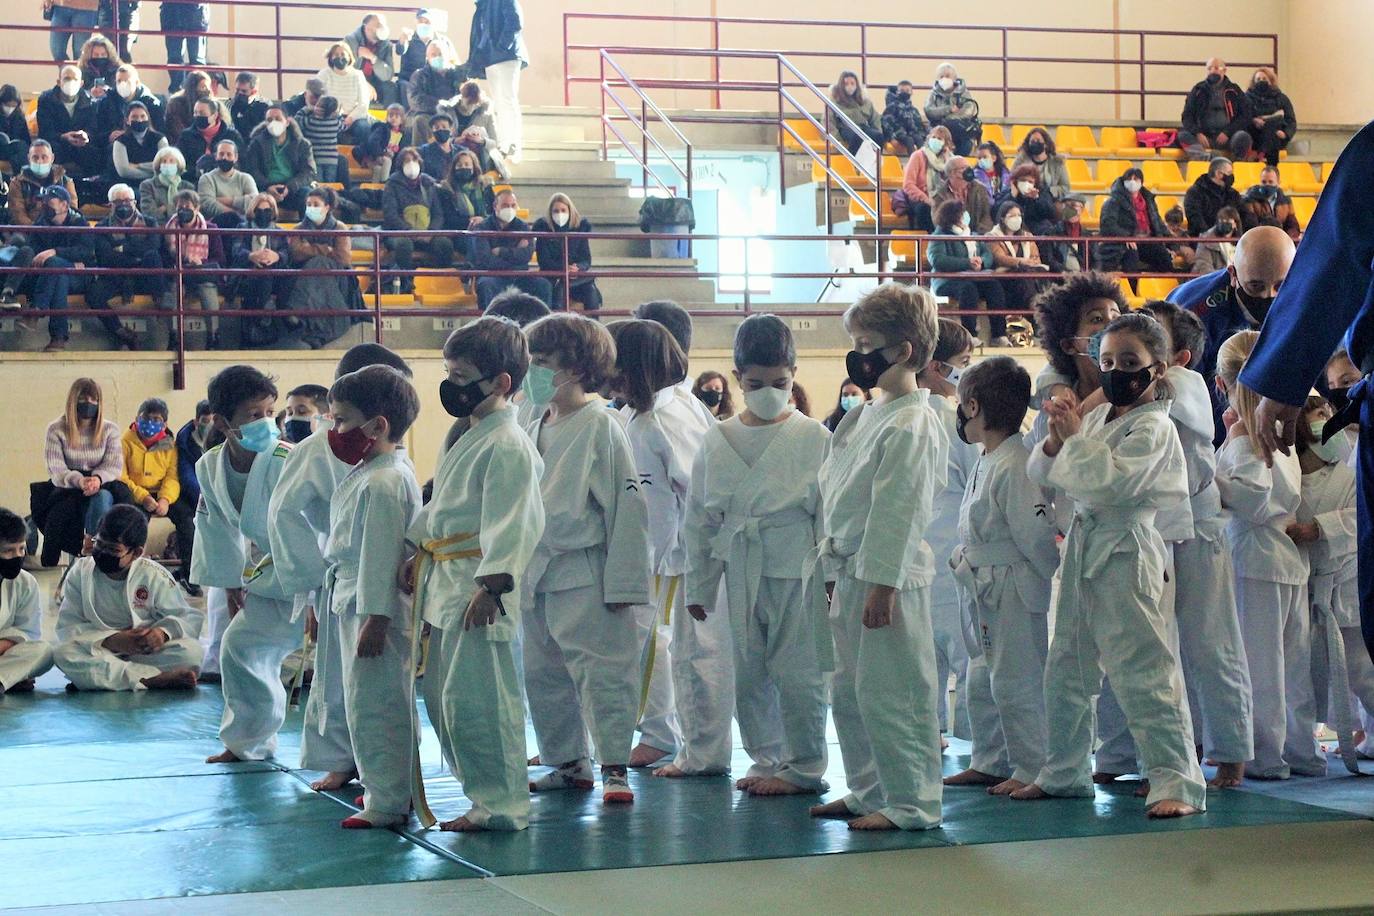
column 23, row 654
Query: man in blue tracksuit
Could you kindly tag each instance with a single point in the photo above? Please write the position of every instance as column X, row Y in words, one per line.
column 1328, row 299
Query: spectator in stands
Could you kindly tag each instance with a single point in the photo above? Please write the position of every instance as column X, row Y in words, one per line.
column 225, row 191
column 127, row 27
column 281, row 160
column 98, row 60
column 924, row 177
column 184, row 16
column 157, row 195
column 496, row 53
column 25, row 197
column 112, row 112
column 799, row 399
column 506, row 253
column 197, row 250
column 114, row 249
column 374, row 53
column 713, row 390
column 436, row 83
column 562, row 218
column 1038, row 150
column 248, row 109
column 268, row 254
column 850, row 396
column 902, row 121
column 468, row 196
column 1272, row 121
column 350, row 86
column 1181, row 249
column 136, row 147
column 411, row 201
column 199, row 141
column 55, row 250
column 150, row 473
column 473, row 110
column 849, row 97
column 950, row 105
column 180, row 112
column 1212, row 191
column 1036, row 202
column 328, row 249
column 321, row 125
column 961, row 185
column 415, row 41
column 385, row 139
column 952, row 254
column 1130, row 212
column 192, row 441
column 991, row 170
column 1066, row 257
column 436, row 156
column 307, row 98
column 1216, row 248
column 1265, row 204
column 1017, row 253
column 79, row 15
column 1215, row 117
column 66, row 119
column 85, row 462
column 14, row 129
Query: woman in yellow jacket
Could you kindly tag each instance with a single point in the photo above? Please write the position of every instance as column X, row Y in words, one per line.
column 150, row 472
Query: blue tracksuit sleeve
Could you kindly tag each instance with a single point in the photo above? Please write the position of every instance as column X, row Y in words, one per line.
column 1328, row 286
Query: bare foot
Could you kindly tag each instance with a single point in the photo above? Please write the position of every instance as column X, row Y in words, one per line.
column 748, row 782
column 644, row 755
column 944, row 746
column 972, row 777
column 1106, row 779
column 671, row 771
column 1031, row 792
column 335, row 780
column 836, row 809
column 775, row 786
column 1143, row 790
column 872, row 822
column 176, row 679
column 1170, row 808
column 224, row 756
column 24, row 686
column 1229, row 775
column 1007, row 787
column 533, row 761
column 461, row 825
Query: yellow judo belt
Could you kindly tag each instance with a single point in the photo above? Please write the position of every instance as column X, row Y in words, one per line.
column 667, row 596
column 438, row 550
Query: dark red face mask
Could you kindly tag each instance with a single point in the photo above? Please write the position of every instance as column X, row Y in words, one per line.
column 352, row 446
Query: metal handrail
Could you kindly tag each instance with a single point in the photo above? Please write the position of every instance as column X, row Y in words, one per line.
column 646, row 105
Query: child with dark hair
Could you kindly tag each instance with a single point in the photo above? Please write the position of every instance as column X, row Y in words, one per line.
column 233, row 552
column 752, row 519
column 517, row 305
column 591, row 569
column 306, row 407
column 480, row 529
column 1005, row 560
column 368, row 518
column 672, row 316
column 151, row 474
column 23, row 653
column 124, row 623
column 850, row 396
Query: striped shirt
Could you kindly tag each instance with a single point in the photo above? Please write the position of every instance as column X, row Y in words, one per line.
column 323, row 134
column 68, row 462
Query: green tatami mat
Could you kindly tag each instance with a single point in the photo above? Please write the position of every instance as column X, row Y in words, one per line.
column 1339, row 789
column 42, row 764
column 57, row 717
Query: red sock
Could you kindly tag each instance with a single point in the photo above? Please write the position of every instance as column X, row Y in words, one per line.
column 356, row 823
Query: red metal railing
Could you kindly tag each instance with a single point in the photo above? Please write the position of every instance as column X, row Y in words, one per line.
column 848, row 42
column 178, row 272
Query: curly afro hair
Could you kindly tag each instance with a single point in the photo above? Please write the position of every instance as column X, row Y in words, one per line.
column 1059, row 309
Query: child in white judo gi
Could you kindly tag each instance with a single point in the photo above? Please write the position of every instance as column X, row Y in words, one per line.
column 1005, row 560
column 307, row 408
column 124, row 623
column 666, row 427
column 232, row 552
column 23, row 653
column 753, row 513
column 298, row 523
column 368, row 517
column 1271, row 582
column 1121, row 464
column 581, row 642
column 953, row 352
column 887, row 462
column 1341, row 376
column 473, row 544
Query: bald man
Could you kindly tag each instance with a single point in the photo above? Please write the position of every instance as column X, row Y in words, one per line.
column 1236, row 298
column 1215, row 116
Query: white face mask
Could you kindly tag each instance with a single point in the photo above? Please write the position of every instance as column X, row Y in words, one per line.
column 7, row 110
column 276, row 128
column 124, row 88
column 953, row 375
column 767, row 403
column 1025, row 187
column 411, row 170
column 1014, row 223
column 383, row 33
column 506, row 214
column 1133, row 186
column 946, row 83
column 985, row 163
column 560, row 219
column 71, row 87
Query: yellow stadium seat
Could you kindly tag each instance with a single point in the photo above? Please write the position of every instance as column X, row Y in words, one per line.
column 1077, row 140
column 893, row 168
column 442, row 291
column 1018, row 135
column 1109, row 170
column 995, row 133
column 1133, row 299
column 1247, row 174
column 1162, row 175
column 1092, row 217
column 1080, row 179
column 903, row 249
column 1154, row 287
column 1305, row 185
column 1303, row 208
column 1164, row 203
column 810, row 135
column 1170, row 152
column 1121, row 142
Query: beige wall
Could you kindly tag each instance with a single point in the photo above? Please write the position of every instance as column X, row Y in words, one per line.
column 1308, row 30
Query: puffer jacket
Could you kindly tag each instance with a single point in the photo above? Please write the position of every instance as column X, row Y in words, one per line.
column 901, row 121
column 955, row 105
column 1273, row 102
column 150, row 470
column 25, row 207
column 1118, row 219
column 1200, row 97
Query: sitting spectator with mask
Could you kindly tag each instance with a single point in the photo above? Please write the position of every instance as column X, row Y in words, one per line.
column 198, row 249
column 437, row 155
column 49, row 247
column 468, row 197
column 1067, row 257
column 307, row 406
column 1265, row 204
column 1036, row 202
column 193, row 440
column 281, row 160
column 506, row 253
column 385, row 139
column 321, row 125
column 268, row 255
column 308, row 97
column 248, row 109
column 1131, row 212
column 150, row 473
column 961, row 185
column 1212, row 191
column 1216, row 248
column 562, row 218
column 1181, row 249
column 991, row 170
column 112, row 111
column 98, row 60
column 225, row 191
column 949, row 252
column 902, row 121
column 14, row 129
column 415, row 41
column 135, row 149
column 411, row 201
column 199, row 141
column 374, row 53
column 1216, row 114
column 26, row 188
column 84, row 463
column 326, row 248
column 66, row 119
column 180, row 110
column 157, row 195
column 116, row 249
column 350, row 86
column 1038, row 150
column 949, row 104
column 1272, row 121
column 434, row 85
column 924, row 177
column 853, row 102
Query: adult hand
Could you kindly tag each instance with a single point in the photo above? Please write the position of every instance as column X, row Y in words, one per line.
column 573, row 268
column 90, row 486
column 880, row 607
column 123, row 642
column 697, row 611
column 366, row 53
column 1276, row 428
column 44, row 256
column 235, row 598
column 405, row 576
column 114, row 135
column 278, row 191
column 976, row 262
column 348, row 122
column 227, row 202
column 1222, row 139
column 1301, row 533
column 474, row 222
column 372, row 636
column 1258, row 122
column 1281, row 134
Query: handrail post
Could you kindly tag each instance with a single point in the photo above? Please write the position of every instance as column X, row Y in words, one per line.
column 715, row 61
column 567, row 82
column 689, row 194
column 863, row 56
column 377, row 285
column 782, row 150
column 878, row 195
column 1006, row 75
column 829, row 220
column 1142, row 77
column 605, row 152
column 567, row 273
column 644, row 141
column 281, row 90
column 746, row 270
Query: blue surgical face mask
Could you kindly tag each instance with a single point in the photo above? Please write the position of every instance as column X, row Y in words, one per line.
column 437, row 63
column 849, row 401
column 41, row 169
column 936, row 145
column 539, row 385
column 167, row 170
column 260, row 435
column 1094, row 345
column 1331, row 452
column 315, row 214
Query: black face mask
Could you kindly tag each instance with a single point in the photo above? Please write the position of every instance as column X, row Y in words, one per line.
column 108, row 563
column 9, row 568
column 1339, row 397
column 1225, row 228
column 262, row 218
column 123, row 212
column 1035, row 148
column 961, row 420
column 904, row 96
column 85, row 410
column 1228, row 180
column 1263, row 87
column 464, row 175
column 617, row 403
column 441, row 135
column 1213, row 78
column 1124, row 387
column 460, row 400
column 225, row 165
column 864, row 369
column 969, row 174
column 186, row 217
column 139, row 128
column 297, row 430
column 1257, row 306
column 709, row 397
column 202, row 122
column 338, row 63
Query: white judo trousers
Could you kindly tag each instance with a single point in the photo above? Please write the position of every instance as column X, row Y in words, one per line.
column 947, row 604
column 383, row 727
column 25, row 660
column 326, row 741
column 1108, row 613
column 703, row 689
column 216, row 622
column 21, row 621
column 254, row 646
column 658, row 724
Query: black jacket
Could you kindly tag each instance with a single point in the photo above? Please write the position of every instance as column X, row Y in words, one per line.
column 193, row 146
column 550, row 251
column 1118, row 219
column 501, row 252
column 77, row 247
column 902, row 120
column 1199, row 97
column 247, row 114
column 1037, row 213
column 184, row 16
column 428, row 87
column 1263, row 104
column 258, row 157
column 496, row 36
column 1202, row 202
column 114, row 250
column 112, row 111
column 16, row 126
column 53, row 120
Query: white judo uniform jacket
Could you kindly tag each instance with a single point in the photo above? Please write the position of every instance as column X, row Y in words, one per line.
column 154, row 598
column 21, row 618
column 233, row 546
column 298, row 516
